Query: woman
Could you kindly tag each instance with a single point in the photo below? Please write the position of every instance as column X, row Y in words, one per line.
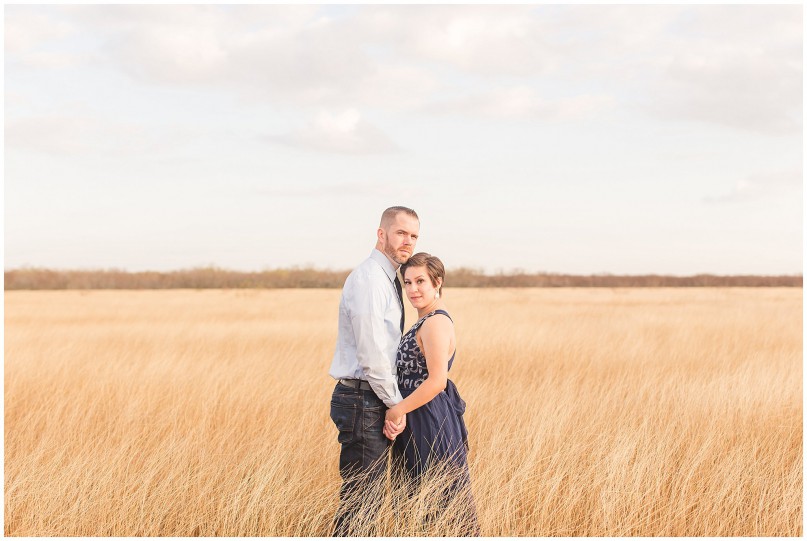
column 435, row 430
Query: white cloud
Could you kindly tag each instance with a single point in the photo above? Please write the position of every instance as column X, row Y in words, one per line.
column 77, row 133
column 728, row 89
column 484, row 40
column 345, row 189
column 383, row 78
column 342, row 132
column 762, row 186
column 567, row 42
column 523, row 102
column 27, row 28
column 167, row 54
column 398, row 86
column 737, row 66
column 282, row 54
column 49, row 60
column 51, row 134
column 15, row 100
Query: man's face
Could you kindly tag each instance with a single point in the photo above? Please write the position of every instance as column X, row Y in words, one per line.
column 398, row 240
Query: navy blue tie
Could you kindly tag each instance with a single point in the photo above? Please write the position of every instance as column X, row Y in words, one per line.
column 400, row 298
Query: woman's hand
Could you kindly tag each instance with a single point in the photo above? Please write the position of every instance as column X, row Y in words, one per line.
column 394, row 423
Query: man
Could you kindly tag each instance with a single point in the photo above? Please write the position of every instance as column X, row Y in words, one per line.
column 371, row 322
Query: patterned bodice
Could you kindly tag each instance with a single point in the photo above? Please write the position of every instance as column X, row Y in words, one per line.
column 411, row 362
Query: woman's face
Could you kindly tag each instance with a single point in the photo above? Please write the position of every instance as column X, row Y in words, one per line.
column 419, row 288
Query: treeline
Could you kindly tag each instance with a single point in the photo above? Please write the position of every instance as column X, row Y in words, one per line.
column 216, row 278
column 199, row 278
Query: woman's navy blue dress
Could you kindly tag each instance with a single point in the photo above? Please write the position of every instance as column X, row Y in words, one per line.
column 436, row 430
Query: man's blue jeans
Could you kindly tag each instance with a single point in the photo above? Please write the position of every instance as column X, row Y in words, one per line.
column 359, row 416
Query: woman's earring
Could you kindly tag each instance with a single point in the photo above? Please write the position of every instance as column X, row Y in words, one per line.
column 437, row 296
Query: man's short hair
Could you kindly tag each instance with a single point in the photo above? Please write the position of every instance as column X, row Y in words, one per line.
column 389, row 215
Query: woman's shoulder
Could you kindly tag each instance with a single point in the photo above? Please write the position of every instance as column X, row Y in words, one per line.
column 438, row 320
column 436, row 332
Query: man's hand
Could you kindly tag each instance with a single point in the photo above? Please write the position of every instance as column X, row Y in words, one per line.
column 395, row 423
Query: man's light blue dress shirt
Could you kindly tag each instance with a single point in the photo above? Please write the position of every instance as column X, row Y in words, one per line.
column 369, row 328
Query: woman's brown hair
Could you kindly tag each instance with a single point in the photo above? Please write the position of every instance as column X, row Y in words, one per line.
column 434, row 268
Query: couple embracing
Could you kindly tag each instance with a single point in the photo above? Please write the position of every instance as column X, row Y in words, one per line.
column 392, row 388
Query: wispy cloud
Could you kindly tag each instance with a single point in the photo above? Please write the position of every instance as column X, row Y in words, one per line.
column 475, row 39
column 762, row 186
column 523, row 102
column 79, row 134
column 283, row 54
column 341, row 189
column 27, row 29
column 342, row 132
column 735, row 66
column 58, row 134
column 723, row 88
column 720, row 68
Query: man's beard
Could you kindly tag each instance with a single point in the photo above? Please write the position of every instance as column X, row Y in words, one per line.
column 394, row 256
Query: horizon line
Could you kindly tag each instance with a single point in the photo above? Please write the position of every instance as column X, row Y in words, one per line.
column 468, row 269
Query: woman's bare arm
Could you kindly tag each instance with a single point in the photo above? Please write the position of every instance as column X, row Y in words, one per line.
column 435, row 336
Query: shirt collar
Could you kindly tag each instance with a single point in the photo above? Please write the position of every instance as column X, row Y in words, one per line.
column 385, row 263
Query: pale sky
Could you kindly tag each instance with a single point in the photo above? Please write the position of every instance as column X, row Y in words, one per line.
column 574, row 139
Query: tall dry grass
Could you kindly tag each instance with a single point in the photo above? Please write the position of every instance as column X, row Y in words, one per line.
column 591, row 412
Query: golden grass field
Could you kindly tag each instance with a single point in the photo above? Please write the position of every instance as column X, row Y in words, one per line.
column 591, row 412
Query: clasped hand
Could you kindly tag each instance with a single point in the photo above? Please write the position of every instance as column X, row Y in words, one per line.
column 394, row 423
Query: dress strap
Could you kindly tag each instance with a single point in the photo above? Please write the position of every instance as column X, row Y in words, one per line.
column 440, row 312
column 422, row 320
column 430, row 314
